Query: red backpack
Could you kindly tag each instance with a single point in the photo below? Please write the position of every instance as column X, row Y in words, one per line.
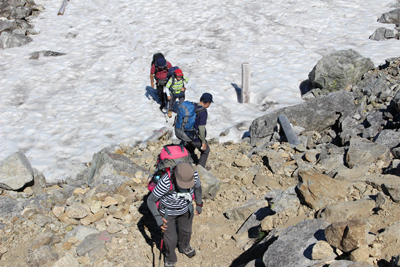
column 168, row 158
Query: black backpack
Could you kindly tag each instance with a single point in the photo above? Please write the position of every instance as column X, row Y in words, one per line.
column 155, row 57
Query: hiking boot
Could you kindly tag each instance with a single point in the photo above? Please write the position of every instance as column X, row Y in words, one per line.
column 169, row 264
column 190, row 253
column 169, row 113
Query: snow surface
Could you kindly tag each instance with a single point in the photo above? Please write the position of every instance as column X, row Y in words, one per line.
column 59, row 111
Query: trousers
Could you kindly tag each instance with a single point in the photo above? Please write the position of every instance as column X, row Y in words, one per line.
column 180, row 96
column 203, row 156
column 179, row 232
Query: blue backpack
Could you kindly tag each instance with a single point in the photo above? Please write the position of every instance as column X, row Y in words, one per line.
column 184, row 121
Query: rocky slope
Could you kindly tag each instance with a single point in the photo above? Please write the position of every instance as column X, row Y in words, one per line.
column 331, row 199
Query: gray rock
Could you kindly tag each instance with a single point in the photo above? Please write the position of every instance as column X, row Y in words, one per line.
column 392, row 190
column 15, row 172
column 243, row 212
column 79, row 175
column 294, row 245
column 346, row 263
column 287, row 201
column 209, row 184
column 7, row 25
column 39, row 182
column 105, row 164
column 391, row 17
column 388, row 138
column 339, row 70
column 41, row 256
column 315, row 115
column 382, row 33
column 81, row 232
column 92, row 242
column 364, row 152
column 274, row 161
column 9, row 207
column 343, row 211
column 9, row 40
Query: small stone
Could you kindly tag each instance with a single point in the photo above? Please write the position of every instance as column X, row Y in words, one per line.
column 109, row 201
column 69, row 228
column 58, row 211
column 67, row 246
column 321, row 250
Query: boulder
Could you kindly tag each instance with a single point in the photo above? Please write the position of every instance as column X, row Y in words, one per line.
column 274, row 161
column 243, row 212
column 388, row 138
column 318, row 190
column 294, row 245
column 106, row 164
column 286, row 201
column 348, row 235
column 315, row 115
column 348, row 210
column 366, row 153
column 391, row 17
column 392, row 190
column 15, row 172
column 10, row 207
column 209, row 184
column 339, row 70
column 382, row 34
column 9, row 40
column 93, row 242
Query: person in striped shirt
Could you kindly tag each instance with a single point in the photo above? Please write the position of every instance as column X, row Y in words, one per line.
column 176, row 208
column 176, row 89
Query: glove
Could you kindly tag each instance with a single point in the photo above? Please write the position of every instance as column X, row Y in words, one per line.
column 199, row 209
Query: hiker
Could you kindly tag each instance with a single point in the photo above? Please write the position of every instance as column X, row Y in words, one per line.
column 200, row 142
column 159, row 72
column 175, row 214
column 176, row 89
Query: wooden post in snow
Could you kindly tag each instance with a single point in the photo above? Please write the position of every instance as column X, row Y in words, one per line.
column 62, row 8
column 245, row 83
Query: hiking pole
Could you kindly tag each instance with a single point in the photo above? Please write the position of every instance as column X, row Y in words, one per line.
column 161, row 246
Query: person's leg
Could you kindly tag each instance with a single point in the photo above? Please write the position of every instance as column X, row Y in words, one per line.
column 172, row 102
column 170, row 240
column 182, row 98
column 204, row 155
column 185, row 223
column 191, row 148
column 160, row 91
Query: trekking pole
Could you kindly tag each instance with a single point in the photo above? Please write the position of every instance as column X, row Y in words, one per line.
column 161, row 246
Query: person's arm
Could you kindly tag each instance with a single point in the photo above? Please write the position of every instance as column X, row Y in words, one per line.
column 198, row 194
column 202, row 133
column 152, row 71
column 167, row 87
column 151, row 203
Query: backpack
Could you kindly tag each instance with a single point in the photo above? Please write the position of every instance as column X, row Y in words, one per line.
column 168, row 158
column 171, row 74
column 155, row 57
column 184, row 121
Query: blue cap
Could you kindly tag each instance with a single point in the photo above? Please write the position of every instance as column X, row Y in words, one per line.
column 161, row 62
column 206, row 97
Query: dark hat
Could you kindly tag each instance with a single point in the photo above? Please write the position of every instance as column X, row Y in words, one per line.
column 161, row 62
column 206, row 97
column 184, row 174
